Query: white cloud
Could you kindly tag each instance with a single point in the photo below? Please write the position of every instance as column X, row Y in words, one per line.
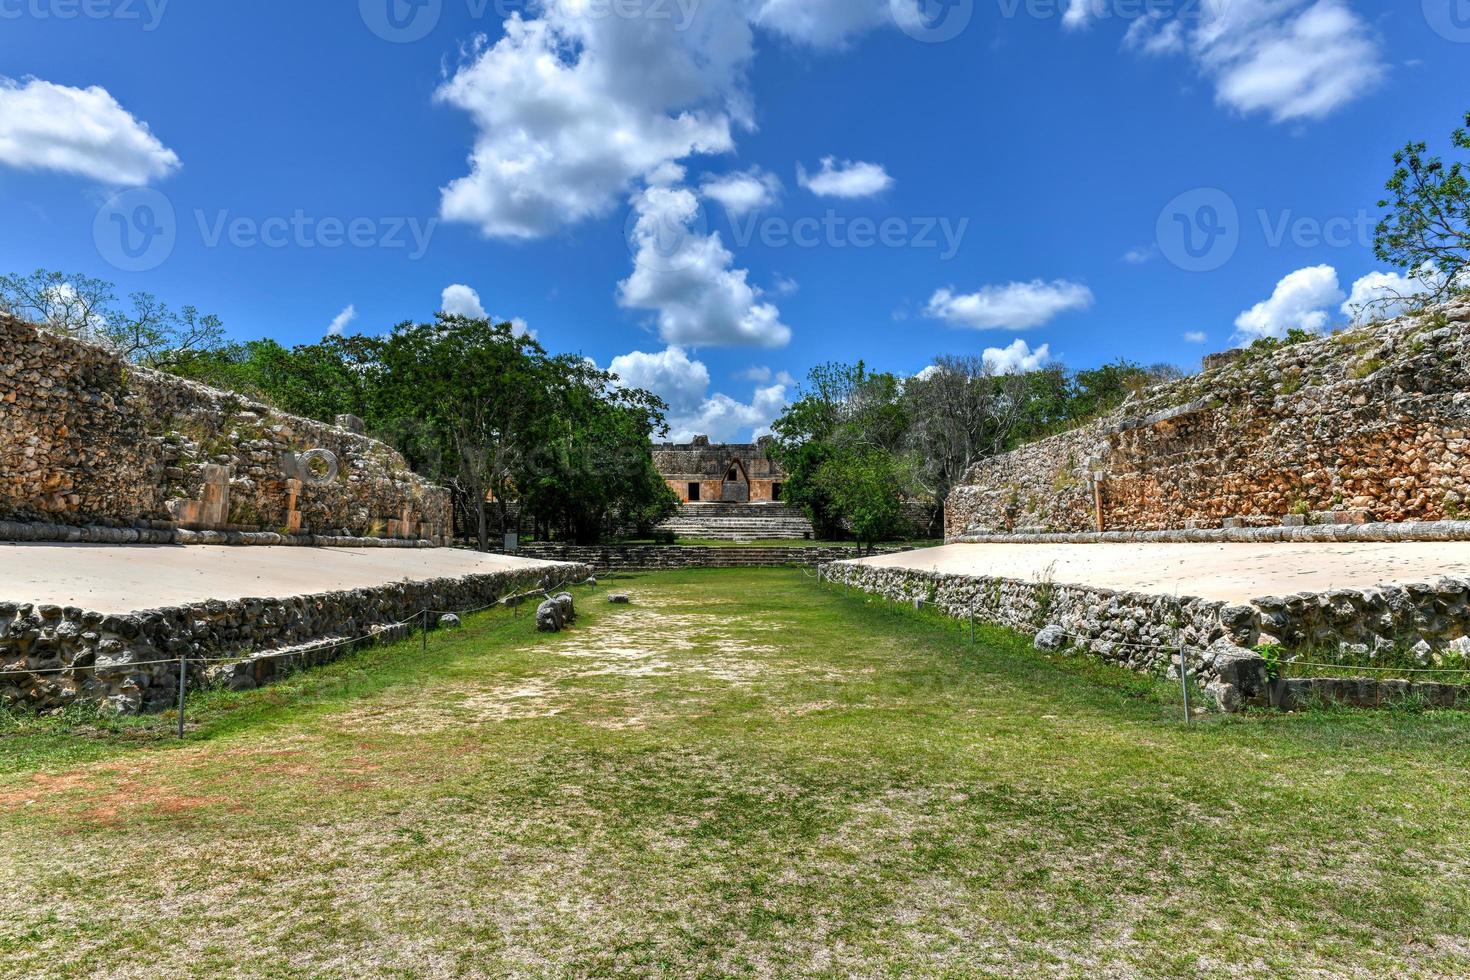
column 341, row 320
column 1384, row 295
column 845, row 179
column 1012, row 306
column 1078, row 14
column 686, row 277
column 1140, row 255
column 669, row 374
column 757, row 374
column 1290, row 59
column 1018, row 358
column 1196, row 337
column 78, row 131
column 684, row 384
column 785, row 286
column 1301, row 301
column 824, row 23
column 461, row 300
column 572, row 110
column 743, row 192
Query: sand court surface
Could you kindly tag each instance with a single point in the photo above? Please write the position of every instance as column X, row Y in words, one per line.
column 127, row 578
column 1231, row 572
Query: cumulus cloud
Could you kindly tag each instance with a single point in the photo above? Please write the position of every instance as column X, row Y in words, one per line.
column 1018, row 358
column 1301, row 301
column 743, row 192
column 341, row 321
column 81, row 131
column 1289, row 59
column 684, row 383
column 571, row 110
column 1011, row 306
column 1196, row 337
column 1383, row 295
column 824, row 23
column 845, row 179
column 687, row 278
column 461, row 300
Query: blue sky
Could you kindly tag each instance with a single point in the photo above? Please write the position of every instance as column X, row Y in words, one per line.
column 712, row 197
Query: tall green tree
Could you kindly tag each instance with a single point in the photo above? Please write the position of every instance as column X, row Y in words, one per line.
column 1427, row 229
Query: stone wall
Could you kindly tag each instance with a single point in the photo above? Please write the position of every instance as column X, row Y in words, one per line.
column 654, row 558
column 1368, row 425
column 88, row 439
column 1146, row 631
column 51, row 656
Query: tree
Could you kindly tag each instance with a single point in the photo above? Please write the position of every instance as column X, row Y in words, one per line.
column 149, row 333
column 866, row 486
column 1427, row 232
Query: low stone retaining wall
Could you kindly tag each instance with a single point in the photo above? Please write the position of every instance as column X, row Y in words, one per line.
column 51, row 656
column 657, row 558
column 13, row 531
column 1147, row 632
column 1318, row 534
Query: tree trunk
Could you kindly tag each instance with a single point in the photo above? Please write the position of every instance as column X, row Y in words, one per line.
column 484, row 523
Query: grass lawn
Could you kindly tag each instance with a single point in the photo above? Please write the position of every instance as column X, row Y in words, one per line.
column 738, row 774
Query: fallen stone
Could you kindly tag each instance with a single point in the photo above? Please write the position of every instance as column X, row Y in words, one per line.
column 449, row 622
column 620, row 599
column 1051, row 639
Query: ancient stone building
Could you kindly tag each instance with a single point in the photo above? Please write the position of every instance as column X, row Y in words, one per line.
column 87, row 439
column 1372, row 424
column 701, row 472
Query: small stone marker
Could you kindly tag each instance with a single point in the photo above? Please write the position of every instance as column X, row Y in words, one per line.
column 620, row 599
column 449, row 621
column 556, row 614
column 1051, row 639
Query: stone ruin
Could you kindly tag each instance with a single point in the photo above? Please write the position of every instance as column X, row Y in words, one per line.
column 88, row 440
column 1368, row 426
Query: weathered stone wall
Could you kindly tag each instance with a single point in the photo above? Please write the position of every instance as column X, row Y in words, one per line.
column 1146, row 631
column 51, row 656
column 1367, row 425
column 87, row 439
column 654, row 558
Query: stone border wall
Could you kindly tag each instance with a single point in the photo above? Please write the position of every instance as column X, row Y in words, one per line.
column 1145, row 632
column 1317, row 534
column 11, row 531
column 87, row 439
column 657, row 558
column 51, row 656
column 1369, row 425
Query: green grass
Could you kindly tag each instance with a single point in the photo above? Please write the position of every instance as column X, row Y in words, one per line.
column 783, row 543
column 740, row 773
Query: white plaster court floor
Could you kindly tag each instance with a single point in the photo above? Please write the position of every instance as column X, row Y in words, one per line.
column 1226, row 572
column 127, row 578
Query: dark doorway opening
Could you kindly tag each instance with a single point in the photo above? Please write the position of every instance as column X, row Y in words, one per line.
column 694, row 493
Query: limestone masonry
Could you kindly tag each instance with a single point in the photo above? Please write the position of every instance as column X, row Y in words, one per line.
column 88, row 439
column 1369, row 425
column 733, row 474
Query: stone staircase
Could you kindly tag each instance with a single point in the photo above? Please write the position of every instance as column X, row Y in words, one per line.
column 740, row 522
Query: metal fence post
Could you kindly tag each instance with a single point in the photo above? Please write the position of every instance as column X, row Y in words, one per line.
column 1184, row 681
column 183, row 690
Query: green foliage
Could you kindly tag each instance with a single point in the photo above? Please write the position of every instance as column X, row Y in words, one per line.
column 1427, row 229
column 1275, row 656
